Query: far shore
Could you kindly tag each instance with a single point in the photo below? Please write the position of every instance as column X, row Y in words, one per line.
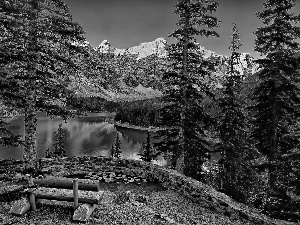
column 128, row 126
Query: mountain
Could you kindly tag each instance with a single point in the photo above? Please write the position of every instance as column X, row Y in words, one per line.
column 136, row 72
column 158, row 47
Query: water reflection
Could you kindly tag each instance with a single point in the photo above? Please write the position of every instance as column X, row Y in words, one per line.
column 83, row 138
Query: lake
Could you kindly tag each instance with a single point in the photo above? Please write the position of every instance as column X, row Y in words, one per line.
column 84, row 137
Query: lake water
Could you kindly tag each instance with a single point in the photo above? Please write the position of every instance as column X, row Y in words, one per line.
column 83, row 138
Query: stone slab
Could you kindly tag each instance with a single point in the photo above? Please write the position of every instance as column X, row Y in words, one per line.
column 20, row 207
column 83, row 212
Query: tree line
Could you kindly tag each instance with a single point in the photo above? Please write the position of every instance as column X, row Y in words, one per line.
column 266, row 125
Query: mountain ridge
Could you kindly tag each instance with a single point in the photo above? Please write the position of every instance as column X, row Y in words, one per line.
column 142, row 50
column 158, row 48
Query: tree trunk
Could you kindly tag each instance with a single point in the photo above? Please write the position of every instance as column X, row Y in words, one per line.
column 180, row 159
column 30, row 153
column 180, row 162
column 273, row 153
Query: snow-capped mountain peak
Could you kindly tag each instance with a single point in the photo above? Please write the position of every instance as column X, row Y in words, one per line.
column 105, row 47
column 143, row 50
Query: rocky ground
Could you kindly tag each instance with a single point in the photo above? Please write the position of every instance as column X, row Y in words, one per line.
column 129, row 200
column 144, row 205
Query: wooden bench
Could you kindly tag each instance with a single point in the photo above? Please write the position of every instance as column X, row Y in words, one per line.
column 54, row 188
column 67, row 189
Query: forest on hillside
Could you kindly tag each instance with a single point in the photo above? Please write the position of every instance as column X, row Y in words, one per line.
column 46, row 65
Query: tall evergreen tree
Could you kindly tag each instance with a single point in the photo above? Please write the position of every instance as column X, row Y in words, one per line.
column 116, row 148
column 112, row 150
column 184, row 89
column 8, row 138
column 231, row 117
column 148, row 151
column 232, row 124
column 277, row 95
column 38, row 50
column 59, row 145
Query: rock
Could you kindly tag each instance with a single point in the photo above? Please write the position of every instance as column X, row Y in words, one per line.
column 112, row 174
column 83, row 212
column 93, row 177
column 20, row 207
column 108, row 197
column 40, row 177
column 165, row 217
column 108, row 180
column 18, row 176
column 142, row 199
column 123, row 196
column 139, row 204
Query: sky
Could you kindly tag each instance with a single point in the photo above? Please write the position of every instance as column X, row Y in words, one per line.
column 127, row 23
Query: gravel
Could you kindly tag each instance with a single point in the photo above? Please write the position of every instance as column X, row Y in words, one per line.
column 162, row 207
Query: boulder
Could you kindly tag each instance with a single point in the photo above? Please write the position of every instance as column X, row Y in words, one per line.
column 83, row 212
column 20, row 206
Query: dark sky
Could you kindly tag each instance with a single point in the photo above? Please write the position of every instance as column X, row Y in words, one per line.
column 126, row 23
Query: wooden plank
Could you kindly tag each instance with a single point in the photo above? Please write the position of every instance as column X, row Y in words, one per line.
column 67, row 195
column 67, row 183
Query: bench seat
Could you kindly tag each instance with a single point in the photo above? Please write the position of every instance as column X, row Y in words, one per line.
column 66, row 195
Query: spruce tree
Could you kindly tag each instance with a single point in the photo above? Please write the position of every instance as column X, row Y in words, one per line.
column 184, row 90
column 38, row 51
column 276, row 97
column 232, row 124
column 148, row 151
column 117, row 147
column 59, row 145
column 8, row 138
column 112, row 150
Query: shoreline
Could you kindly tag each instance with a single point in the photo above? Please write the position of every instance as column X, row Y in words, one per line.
column 133, row 127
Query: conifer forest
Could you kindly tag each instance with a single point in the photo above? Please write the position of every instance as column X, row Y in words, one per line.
column 245, row 109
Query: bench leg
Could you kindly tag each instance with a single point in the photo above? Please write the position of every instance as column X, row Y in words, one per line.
column 75, row 193
column 32, row 202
